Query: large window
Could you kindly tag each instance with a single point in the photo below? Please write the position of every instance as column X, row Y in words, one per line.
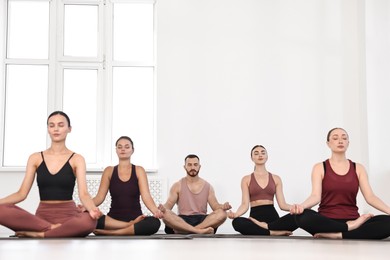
column 94, row 60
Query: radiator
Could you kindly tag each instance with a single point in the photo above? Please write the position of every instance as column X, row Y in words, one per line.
column 157, row 187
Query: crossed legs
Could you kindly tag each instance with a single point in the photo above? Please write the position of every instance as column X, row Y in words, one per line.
column 208, row 226
column 352, row 225
column 118, row 228
column 51, row 220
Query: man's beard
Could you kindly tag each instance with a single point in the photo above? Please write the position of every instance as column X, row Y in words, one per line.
column 193, row 173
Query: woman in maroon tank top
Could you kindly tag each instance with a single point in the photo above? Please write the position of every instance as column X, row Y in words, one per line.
column 126, row 183
column 335, row 184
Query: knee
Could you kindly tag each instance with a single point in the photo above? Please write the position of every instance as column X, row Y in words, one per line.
column 87, row 223
column 148, row 226
column 155, row 224
column 239, row 223
column 7, row 209
column 236, row 224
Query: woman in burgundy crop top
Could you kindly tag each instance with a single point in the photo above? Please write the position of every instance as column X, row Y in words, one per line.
column 126, row 183
column 258, row 191
column 335, row 184
column 57, row 169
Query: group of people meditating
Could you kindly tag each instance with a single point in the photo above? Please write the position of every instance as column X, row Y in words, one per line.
column 335, row 185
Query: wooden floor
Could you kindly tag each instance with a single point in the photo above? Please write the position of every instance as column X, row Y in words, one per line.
column 196, row 248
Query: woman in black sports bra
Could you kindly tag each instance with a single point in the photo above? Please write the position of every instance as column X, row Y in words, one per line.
column 57, row 169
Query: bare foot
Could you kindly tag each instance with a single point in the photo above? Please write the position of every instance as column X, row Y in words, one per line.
column 329, row 235
column 271, row 232
column 53, row 226
column 260, row 224
column 127, row 231
column 208, row 230
column 137, row 219
column 103, row 232
column 35, row 234
column 354, row 224
column 280, row 233
column 30, row 234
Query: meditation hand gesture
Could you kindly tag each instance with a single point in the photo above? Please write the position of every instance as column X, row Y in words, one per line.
column 231, row 214
column 95, row 213
column 296, row 209
column 226, row 206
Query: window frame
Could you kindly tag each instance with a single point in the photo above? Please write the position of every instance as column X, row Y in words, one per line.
column 104, row 63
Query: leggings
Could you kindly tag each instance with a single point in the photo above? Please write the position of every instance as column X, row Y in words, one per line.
column 73, row 222
column 148, row 226
column 377, row 227
column 268, row 214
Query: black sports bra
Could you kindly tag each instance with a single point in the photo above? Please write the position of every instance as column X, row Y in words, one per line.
column 58, row 186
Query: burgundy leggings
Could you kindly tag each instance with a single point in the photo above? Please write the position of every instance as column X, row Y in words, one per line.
column 73, row 222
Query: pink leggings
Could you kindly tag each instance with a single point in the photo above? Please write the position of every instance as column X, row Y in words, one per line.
column 73, row 222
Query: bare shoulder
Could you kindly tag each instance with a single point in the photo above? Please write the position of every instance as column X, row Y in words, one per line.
column 78, row 162
column 176, row 186
column 177, row 183
column 318, row 170
column 276, row 178
column 140, row 170
column 35, row 159
column 108, row 171
column 360, row 166
column 318, row 167
column 360, row 169
column 35, row 156
column 246, row 179
column 78, row 158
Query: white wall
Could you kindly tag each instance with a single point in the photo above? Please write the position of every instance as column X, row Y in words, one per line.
column 232, row 74
column 378, row 93
column 235, row 73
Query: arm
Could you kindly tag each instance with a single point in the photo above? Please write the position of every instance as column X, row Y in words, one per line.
column 85, row 198
column 367, row 192
column 143, row 185
column 213, row 202
column 315, row 196
column 283, row 205
column 104, row 186
column 173, row 196
column 243, row 208
column 25, row 187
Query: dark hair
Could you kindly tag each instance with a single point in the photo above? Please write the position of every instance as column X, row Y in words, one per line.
column 191, row 156
column 330, row 132
column 127, row 138
column 59, row 113
column 256, row 146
